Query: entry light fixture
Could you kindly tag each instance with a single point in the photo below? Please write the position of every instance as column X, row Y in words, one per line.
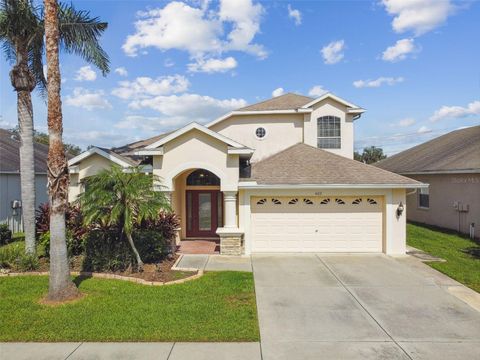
column 400, row 209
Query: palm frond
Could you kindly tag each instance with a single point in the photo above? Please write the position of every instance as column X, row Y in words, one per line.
column 80, row 33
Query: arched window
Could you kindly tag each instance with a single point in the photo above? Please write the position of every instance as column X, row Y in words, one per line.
column 202, row 177
column 328, row 132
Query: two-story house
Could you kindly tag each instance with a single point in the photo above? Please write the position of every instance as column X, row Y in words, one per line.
column 276, row 176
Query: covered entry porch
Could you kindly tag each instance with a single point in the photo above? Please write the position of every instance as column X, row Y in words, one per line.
column 206, row 212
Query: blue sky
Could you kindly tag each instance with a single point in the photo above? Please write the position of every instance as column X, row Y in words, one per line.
column 412, row 64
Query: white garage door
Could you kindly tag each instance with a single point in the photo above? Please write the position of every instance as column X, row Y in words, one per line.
column 317, row 224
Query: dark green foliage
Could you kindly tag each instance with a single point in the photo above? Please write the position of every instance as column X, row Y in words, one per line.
column 42, row 138
column 370, row 155
column 5, row 234
column 13, row 257
column 75, row 245
column 107, row 250
column 76, row 230
column 22, row 25
column 166, row 224
column 124, row 200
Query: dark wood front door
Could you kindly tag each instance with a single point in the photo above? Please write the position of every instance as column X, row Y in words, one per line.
column 204, row 212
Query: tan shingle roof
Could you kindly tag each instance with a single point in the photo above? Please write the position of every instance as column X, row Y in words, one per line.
column 304, row 164
column 456, row 151
column 283, row 102
column 130, row 148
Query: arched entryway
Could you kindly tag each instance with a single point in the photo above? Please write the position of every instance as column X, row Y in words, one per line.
column 203, row 204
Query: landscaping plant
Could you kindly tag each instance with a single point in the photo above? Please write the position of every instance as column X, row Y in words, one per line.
column 22, row 34
column 5, row 234
column 123, row 199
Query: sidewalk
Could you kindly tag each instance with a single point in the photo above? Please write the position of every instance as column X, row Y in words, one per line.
column 189, row 262
column 127, row 351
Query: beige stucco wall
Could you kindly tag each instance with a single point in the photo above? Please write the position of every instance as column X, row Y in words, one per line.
column 283, row 130
column 331, row 107
column 444, row 190
column 87, row 167
column 197, row 150
column 394, row 228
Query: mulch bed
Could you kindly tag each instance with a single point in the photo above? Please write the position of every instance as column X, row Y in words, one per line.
column 158, row 272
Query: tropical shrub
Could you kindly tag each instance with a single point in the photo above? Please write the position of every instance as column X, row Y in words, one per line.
column 107, row 250
column 75, row 244
column 5, row 234
column 123, row 200
column 73, row 219
column 166, row 224
column 13, row 257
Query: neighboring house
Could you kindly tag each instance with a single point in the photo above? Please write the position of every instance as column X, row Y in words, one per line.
column 10, row 194
column 451, row 165
column 277, row 176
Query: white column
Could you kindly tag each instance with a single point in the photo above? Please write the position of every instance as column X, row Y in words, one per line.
column 230, row 209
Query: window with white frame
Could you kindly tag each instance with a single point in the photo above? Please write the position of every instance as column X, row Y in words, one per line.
column 423, row 198
column 328, row 132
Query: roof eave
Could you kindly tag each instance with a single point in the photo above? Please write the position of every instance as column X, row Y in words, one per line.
column 258, row 112
column 190, row 127
column 255, row 185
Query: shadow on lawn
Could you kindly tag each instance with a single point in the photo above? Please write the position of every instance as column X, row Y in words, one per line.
column 80, row 278
column 473, row 252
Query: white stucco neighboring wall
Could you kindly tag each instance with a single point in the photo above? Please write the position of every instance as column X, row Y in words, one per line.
column 331, row 107
column 282, row 131
column 197, row 150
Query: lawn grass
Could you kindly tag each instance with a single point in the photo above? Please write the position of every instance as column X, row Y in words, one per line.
column 459, row 265
column 220, row 306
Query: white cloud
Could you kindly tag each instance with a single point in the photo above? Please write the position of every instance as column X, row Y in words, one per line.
column 85, row 73
column 278, row 91
column 377, row 82
column 419, row 16
column 423, row 130
column 200, row 30
column 317, row 91
column 213, row 65
column 400, row 50
column 178, row 110
column 121, row 71
column 168, row 63
column 89, row 100
column 406, row 122
column 444, row 112
column 143, row 87
column 333, row 52
column 149, row 123
column 295, row 14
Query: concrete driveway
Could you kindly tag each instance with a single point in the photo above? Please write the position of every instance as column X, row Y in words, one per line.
column 359, row 307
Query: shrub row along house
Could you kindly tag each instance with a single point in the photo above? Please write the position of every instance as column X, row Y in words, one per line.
column 276, row 176
column 450, row 164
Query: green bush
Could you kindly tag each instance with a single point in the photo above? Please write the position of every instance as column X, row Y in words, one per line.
column 105, row 251
column 75, row 246
column 13, row 257
column 5, row 234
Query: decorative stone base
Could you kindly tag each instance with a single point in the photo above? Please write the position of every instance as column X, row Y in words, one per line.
column 231, row 242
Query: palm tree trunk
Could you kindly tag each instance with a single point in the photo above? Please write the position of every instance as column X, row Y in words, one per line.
column 23, row 82
column 135, row 251
column 60, row 286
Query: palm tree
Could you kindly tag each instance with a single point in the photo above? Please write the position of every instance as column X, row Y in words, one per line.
column 123, row 198
column 22, row 36
column 61, row 286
